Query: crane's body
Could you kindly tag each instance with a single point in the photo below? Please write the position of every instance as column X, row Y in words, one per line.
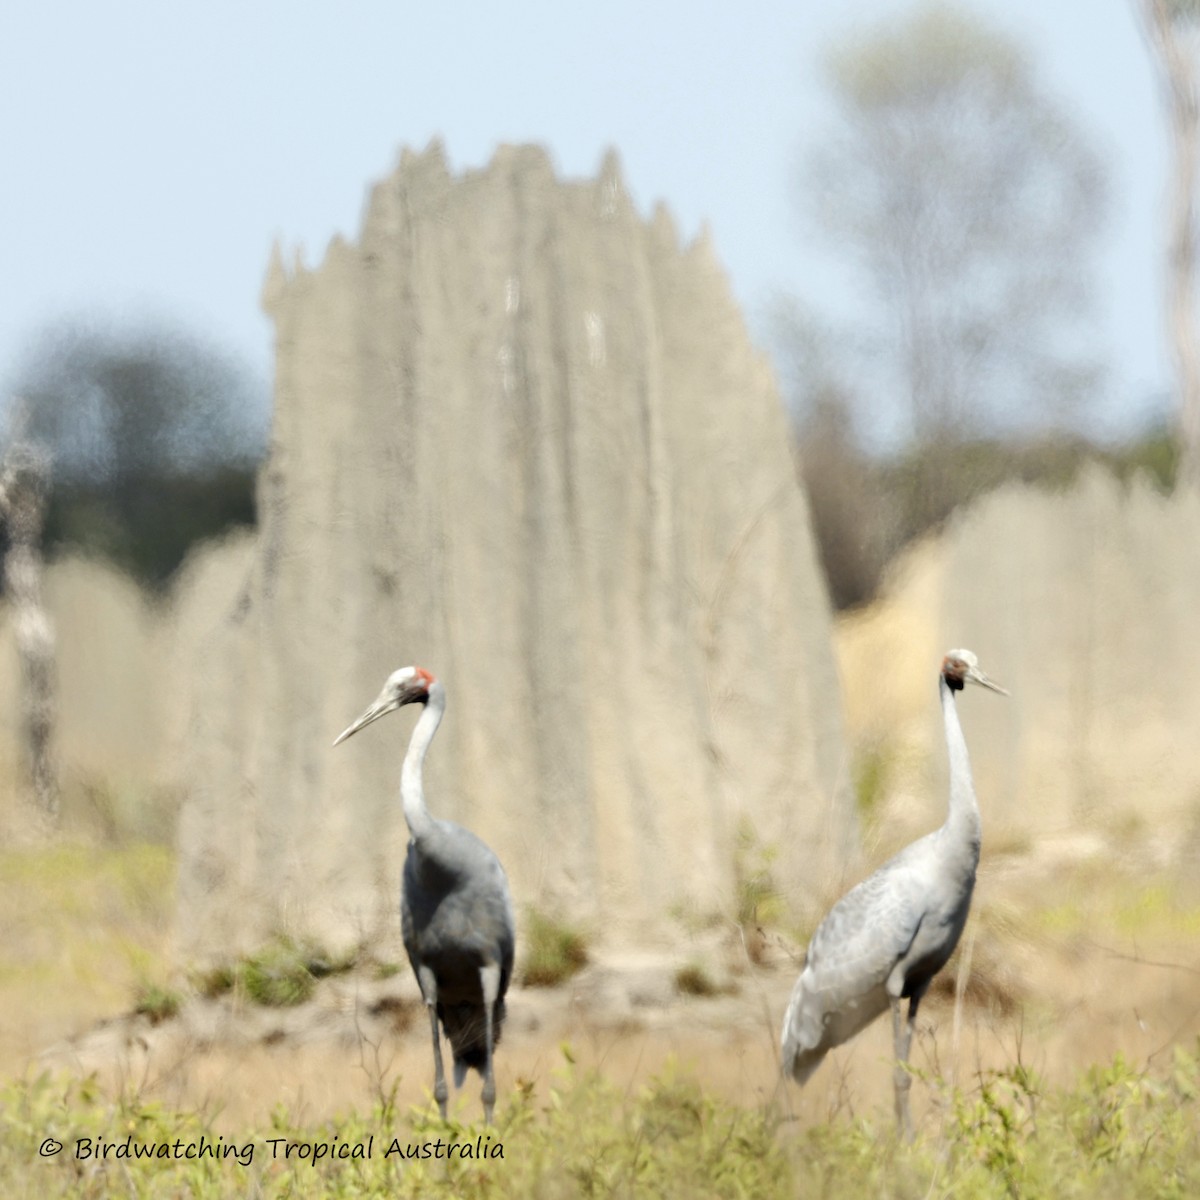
column 887, row 938
column 456, row 919
column 456, row 913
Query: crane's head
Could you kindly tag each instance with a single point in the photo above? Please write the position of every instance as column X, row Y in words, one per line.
column 409, row 685
column 961, row 667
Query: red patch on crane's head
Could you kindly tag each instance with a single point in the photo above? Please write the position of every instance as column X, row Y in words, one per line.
column 956, row 666
column 423, row 675
column 953, row 672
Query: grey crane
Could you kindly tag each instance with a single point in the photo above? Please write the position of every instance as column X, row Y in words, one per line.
column 456, row 913
column 886, row 938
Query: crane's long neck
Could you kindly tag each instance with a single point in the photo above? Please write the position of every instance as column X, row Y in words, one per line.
column 963, row 824
column 412, row 787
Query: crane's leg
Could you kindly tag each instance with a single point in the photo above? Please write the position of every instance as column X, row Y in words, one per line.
column 901, row 1079
column 489, row 978
column 428, row 982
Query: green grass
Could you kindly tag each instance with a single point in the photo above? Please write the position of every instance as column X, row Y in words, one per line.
column 1116, row 1133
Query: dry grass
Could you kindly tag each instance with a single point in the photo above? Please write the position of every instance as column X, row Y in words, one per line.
column 1111, row 969
column 670, row 1098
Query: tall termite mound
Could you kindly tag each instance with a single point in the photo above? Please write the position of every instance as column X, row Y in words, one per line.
column 521, row 438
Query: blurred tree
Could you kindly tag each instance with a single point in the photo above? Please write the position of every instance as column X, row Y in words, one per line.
column 1173, row 27
column 155, row 438
column 968, row 201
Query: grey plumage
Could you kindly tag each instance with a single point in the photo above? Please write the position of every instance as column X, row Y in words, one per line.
column 887, row 938
column 456, row 913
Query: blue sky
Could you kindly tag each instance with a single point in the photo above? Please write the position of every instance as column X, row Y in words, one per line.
column 153, row 152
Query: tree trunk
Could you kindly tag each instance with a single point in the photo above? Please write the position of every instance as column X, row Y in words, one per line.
column 1164, row 21
column 22, row 505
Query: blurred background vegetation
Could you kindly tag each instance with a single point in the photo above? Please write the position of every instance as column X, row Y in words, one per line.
column 967, row 204
column 155, row 437
column 962, row 196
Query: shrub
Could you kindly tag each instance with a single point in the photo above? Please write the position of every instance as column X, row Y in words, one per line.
column 281, row 973
column 157, row 1003
column 278, row 975
column 1117, row 1132
column 553, row 951
column 693, row 980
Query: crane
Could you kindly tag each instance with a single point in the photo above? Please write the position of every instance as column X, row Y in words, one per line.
column 456, row 913
column 886, row 938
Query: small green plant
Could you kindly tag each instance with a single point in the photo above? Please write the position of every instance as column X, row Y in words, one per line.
column 157, row 1003
column 996, row 1125
column 553, row 951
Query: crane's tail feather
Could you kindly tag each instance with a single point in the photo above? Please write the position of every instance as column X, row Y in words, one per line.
column 805, row 1040
column 802, row 1064
column 466, row 1028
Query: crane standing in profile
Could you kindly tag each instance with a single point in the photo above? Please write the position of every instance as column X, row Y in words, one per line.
column 887, row 938
column 456, row 913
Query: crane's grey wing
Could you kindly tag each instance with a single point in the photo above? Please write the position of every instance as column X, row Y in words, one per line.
column 866, row 933
column 494, row 907
column 456, row 909
column 843, row 986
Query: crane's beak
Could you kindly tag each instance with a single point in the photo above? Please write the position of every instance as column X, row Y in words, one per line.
column 382, row 706
column 975, row 675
